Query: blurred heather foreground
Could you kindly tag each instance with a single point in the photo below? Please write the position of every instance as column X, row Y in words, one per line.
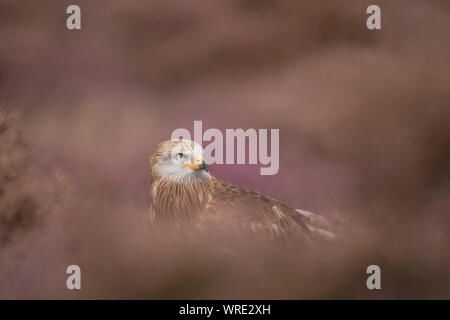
column 364, row 119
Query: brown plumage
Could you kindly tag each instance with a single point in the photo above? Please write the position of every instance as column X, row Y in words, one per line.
column 185, row 193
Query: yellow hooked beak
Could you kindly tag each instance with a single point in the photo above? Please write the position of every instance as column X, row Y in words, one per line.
column 199, row 164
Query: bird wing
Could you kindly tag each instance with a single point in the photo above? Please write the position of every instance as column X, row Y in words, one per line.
column 317, row 224
column 253, row 210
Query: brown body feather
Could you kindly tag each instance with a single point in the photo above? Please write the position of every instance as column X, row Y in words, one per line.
column 210, row 200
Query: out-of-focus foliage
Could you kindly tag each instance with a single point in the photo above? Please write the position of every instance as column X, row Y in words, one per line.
column 364, row 139
column 18, row 204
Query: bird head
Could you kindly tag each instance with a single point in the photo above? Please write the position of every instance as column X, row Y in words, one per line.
column 179, row 161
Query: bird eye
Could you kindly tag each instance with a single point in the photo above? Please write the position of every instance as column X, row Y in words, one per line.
column 180, row 156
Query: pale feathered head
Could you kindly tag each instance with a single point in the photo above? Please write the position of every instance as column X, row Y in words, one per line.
column 179, row 161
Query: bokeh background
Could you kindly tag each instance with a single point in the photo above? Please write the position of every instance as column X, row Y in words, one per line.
column 364, row 121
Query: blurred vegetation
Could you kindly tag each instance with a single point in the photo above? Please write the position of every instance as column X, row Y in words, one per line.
column 364, row 137
column 18, row 204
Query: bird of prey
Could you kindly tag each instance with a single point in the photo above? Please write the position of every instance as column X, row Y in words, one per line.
column 185, row 193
